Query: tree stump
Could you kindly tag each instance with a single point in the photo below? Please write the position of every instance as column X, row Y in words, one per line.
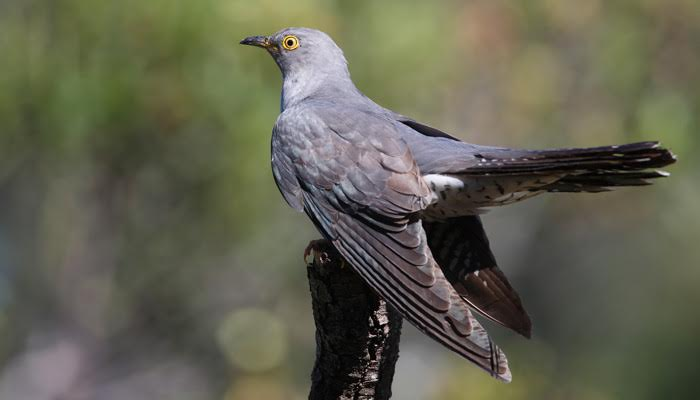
column 357, row 333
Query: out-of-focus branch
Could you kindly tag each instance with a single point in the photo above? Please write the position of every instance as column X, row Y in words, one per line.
column 357, row 333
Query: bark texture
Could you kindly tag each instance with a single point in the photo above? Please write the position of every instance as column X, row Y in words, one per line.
column 357, row 333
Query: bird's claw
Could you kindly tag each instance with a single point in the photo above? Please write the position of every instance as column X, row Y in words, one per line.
column 314, row 249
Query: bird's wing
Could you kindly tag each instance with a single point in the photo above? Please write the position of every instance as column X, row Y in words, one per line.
column 363, row 190
column 462, row 249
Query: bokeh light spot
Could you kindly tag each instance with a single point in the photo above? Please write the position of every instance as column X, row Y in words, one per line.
column 253, row 340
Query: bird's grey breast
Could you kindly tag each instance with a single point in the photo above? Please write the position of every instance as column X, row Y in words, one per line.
column 293, row 136
column 302, row 133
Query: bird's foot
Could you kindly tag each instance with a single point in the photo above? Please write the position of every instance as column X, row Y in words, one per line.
column 317, row 250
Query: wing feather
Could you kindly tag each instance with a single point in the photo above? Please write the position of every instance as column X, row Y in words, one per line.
column 462, row 250
column 438, row 310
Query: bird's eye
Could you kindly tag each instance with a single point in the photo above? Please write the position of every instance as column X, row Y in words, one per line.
column 290, row 42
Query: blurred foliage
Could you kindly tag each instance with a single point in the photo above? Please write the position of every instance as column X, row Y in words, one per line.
column 145, row 252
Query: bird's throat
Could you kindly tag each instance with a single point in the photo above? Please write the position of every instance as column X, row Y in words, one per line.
column 304, row 84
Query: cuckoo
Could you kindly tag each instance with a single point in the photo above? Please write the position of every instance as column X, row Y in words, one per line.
column 401, row 200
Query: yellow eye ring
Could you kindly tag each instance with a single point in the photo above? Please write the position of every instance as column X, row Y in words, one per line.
column 290, row 42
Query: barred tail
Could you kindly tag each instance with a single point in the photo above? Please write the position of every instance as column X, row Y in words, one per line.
column 594, row 169
column 602, row 181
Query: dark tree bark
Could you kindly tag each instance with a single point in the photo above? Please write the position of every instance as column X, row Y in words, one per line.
column 357, row 333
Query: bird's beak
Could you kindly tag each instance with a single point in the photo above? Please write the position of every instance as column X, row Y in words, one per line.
column 259, row 41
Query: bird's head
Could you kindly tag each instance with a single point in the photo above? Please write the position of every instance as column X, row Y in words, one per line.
column 302, row 51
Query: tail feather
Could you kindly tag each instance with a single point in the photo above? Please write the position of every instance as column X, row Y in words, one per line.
column 595, row 169
column 594, row 160
column 602, row 181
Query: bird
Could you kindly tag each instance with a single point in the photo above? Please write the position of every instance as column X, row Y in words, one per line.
column 402, row 201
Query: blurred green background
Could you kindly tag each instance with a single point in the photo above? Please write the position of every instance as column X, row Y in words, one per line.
column 145, row 252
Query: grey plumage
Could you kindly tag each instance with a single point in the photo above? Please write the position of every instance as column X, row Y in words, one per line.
column 399, row 199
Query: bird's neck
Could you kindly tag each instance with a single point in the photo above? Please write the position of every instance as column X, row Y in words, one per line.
column 303, row 84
